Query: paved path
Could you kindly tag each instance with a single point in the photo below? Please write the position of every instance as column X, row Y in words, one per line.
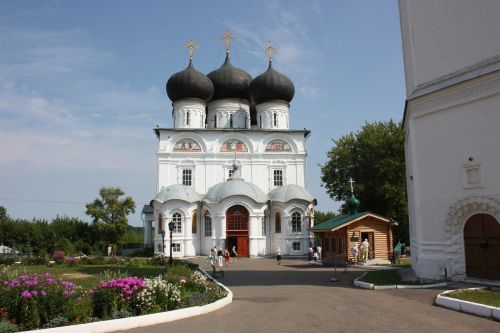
column 298, row 297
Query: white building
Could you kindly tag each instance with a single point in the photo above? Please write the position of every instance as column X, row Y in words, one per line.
column 452, row 120
column 231, row 172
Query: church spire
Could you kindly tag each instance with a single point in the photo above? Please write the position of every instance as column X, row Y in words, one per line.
column 191, row 46
column 227, row 36
column 352, row 203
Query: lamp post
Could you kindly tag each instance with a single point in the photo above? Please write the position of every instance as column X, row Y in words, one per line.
column 171, row 228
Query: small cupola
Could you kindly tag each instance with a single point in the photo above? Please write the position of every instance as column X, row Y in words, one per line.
column 272, row 93
column 352, row 203
column 189, row 90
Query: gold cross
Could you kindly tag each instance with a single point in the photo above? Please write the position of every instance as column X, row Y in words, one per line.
column 270, row 50
column 351, row 182
column 227, row 36
column 191, row 46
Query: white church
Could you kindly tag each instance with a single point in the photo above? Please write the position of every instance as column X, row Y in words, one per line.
column 452, row 120
column 230, row 171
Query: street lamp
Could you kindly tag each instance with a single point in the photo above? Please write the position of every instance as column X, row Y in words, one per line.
column 171, row 228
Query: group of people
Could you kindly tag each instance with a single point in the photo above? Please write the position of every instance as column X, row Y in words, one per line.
column 365, row 248
column 314, row 253
column 219, row 257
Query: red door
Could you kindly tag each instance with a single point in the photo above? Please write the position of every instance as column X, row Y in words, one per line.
column 237, row 227
column 482, row 247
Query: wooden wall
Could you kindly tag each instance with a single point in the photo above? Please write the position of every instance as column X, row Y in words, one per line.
column 382, row 235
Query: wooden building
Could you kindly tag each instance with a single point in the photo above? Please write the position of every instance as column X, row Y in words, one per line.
column 339, row 234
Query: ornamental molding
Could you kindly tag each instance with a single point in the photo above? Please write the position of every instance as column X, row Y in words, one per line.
column 458, row 214
column 462, row 93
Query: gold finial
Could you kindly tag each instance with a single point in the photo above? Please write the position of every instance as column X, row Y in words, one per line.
column 191, row 46
column 228, row 36
column 270, row 50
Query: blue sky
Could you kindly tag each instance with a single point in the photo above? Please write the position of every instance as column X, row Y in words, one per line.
column 82, row 84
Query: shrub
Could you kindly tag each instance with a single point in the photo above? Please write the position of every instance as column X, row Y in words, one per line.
column 35, row 300
column 34, row 261
column 159, row 259
column 115, row 295
column 8, row 327
column 58, row 256
column 99, row 260
column 71, row 261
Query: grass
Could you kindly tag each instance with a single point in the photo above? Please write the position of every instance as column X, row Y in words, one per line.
column 403, row 263
column 382, row 278
column 481, row 296
column 88, row 276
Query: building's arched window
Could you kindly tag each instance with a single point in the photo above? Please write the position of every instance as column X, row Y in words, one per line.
column 177, row 219
column 260, row 121
column 188, row 120
column 231, row 120
column 160, row 224
column 275, row 119
column 296, row 222
column 277, row 223
column 194, row 223
column 208, row 225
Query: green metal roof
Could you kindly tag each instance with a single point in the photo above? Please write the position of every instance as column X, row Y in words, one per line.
column 341, row 220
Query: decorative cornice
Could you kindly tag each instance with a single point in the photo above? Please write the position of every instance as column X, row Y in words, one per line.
column 452, row 96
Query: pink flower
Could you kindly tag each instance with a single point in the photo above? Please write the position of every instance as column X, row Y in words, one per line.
column 26, row 294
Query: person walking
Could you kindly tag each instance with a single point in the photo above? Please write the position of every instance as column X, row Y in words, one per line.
column 278, row 255
column 319, row 249
column 310, row 253
column 234, row 255
column 364, row 247
column 354, row 252
column 220, row 258
column 226, row 257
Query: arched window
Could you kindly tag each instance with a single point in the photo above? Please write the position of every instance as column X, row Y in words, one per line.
column 296, row 222
column 177, row 219
column 275, row 119
column 215, row 121
column 277, row 223
column 231, row 120
column 208, row 225
column 160, row 224
column 188, row 114
column 260, row 121
column 194, row 223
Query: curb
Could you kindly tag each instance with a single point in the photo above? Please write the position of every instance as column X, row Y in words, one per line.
column 371, row 286
column 144, row 320
column 477, row 309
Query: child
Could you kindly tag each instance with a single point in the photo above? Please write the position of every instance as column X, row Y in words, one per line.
column 226, row 257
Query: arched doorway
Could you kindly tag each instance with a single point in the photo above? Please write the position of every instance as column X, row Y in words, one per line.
column 237, row 229
column 482, row 247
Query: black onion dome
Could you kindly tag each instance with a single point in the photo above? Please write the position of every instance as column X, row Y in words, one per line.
column 271, row 86
column 189, row 83
column 230, row 82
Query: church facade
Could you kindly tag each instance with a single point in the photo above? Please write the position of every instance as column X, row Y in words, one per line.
column 452, row 117
column 230, row 171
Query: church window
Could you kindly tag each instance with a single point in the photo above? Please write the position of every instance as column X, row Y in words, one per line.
column 260, row 121
column 296, row 222
column 160, row 224
column 231, row 172
column 208, row 225
column 188, row 114
column 176, row 247
column 177, row 219
column 277, row 223
column 187, row 175
column 231, row 120
column 194, row 225
column 275, row 119
column 278, row 177
column 263, row 225
column 215, row 121
column 296, row 246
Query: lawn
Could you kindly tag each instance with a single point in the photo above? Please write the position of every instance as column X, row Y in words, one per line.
column 382, row 278
column 88, row 276
column 481, row 296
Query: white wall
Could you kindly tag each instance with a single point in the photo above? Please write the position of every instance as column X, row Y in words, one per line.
column 445, row 36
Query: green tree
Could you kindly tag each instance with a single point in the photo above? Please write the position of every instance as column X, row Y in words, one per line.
column 109, row 213
column 374, row 158
column 320, row 217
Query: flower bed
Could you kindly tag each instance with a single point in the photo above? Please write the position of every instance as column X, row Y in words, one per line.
column 31, row 301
